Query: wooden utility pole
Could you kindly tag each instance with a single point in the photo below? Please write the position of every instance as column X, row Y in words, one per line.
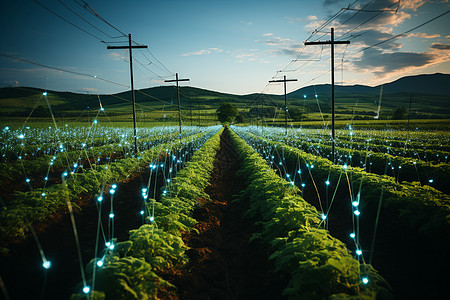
column 178, row 95
column 285, row 101
column 332, row 42
column 129, row 47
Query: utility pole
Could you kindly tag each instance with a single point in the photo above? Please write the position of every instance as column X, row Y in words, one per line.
column 129, row 47
column 178, row 95
column 332, row 42
column 285, row 101
column 409, row 111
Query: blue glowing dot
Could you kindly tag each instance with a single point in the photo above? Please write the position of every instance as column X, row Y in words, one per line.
column 27, row 180
column 315, row 95
column 327, row 182
column 303, row 185
column 324, row 217
column 21, row 136
column 100, row 263
column 299, row 171
column 352, row 235
column 44, row 93
column 6, row 128
column 430, row 181
column 43, row 194
column 111, row 215
column 45, row 178
column 112, row 191
column 345, row 166
column 65, row 174
column 357, row 212
column 312, row 166
column 100, row 198
column 102, row 109
column 114, row 186
column 144, row 190
column 95, row 121
column 86, row 289
column 168, row 180
column 107, row 244
column 304, row 96
column 355, row 203
column 46, row 264
column 358, row 251
column 142, row 212
column 151, row 219
column 111, row 247
column 365, row 280
column 288, row 175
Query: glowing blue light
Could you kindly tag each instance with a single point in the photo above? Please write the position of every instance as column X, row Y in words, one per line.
column 107, row 244
column 43, row 194
column 27, row 180
column 358, row 251
column 100, row 198
column 151, row 219
column 430, row 181
column 304, row 96
column 111, row 215
column 6, row 128
column 112, row 191
column 345, row 166
column 144, row 190
column 365, row 280
column 324, row 217
column 21, row 136
column 142, row 212
column 111, row 247
column 288, row 175
column 114, row 186
column 95, row 121
column 312, row 166
column 315, row 95
column 44, row 93
column 357, row 212
column 86, row 289
column 355, row 203
column 65, row 174
column 102, row 109
column 299, row 171
column 327, row 182
column 168, row 180
column 352, row 235
column 100, row 263
column 303, row 185
column 46, row 264
column 45, row 178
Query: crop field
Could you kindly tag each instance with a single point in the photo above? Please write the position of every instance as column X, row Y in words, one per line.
column 231, row 212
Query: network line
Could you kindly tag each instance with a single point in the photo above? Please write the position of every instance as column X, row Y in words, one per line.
column 60, row 69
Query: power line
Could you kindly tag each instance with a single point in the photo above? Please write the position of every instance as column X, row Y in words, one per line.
column 78, row 15
column 408, row 31
column 87, row 7
column 60, row 69
column 67, row 21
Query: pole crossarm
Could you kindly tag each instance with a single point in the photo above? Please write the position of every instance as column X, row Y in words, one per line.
column 331, row 42
column 127, row 47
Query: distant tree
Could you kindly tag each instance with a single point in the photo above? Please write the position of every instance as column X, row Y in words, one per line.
column 295, row 113
column 240, row 118
column 399, row 113
column 226, row 113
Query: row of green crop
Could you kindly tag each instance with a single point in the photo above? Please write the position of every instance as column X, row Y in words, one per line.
column 319, row 266
column 426, row 150
column 129, row 271
column 401, row 168
column 37, row 168
column 37, row 205
column 424, row 209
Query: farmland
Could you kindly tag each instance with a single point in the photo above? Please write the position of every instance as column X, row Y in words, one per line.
column 83, row 215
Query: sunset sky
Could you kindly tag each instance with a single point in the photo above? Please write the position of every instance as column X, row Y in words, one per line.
column 227, row 46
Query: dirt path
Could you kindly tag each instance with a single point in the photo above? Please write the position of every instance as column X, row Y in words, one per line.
column 223, row 265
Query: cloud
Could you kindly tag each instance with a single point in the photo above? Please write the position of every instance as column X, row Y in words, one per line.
column 267, row 34
column 204, row 52
column 424, row 35
column 440, row 46
column 246, row 23
column 249, row 55
column 89, row 90
column 278, row 41
column 116, row 56
column 11, row 83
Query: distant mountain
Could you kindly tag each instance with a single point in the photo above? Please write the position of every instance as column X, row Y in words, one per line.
column 426, row 84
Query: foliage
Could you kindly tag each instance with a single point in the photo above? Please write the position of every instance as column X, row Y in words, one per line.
column 319, row 265
column 226, row 113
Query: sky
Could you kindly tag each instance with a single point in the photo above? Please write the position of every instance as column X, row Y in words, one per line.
column 227, row 46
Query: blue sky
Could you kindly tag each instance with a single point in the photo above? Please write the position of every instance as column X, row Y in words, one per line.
column 227, row 46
